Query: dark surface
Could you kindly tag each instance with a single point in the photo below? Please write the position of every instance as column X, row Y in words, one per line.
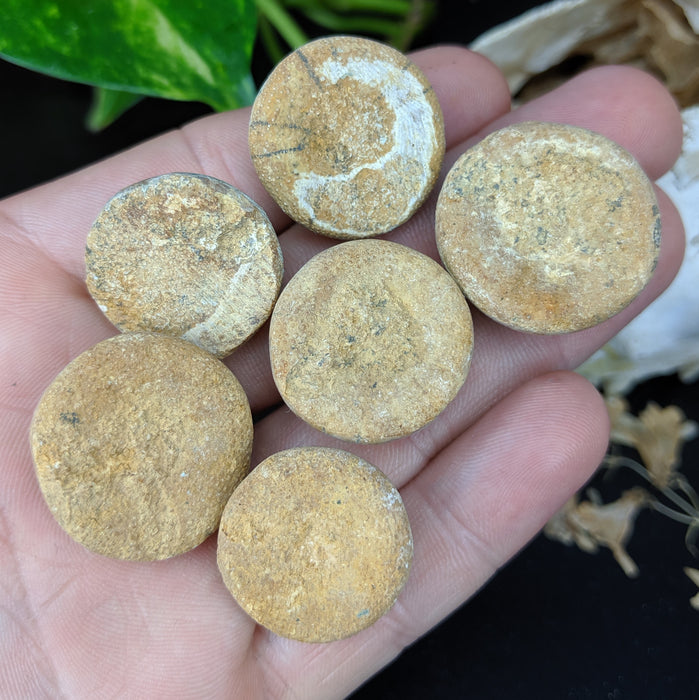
column 556, row 622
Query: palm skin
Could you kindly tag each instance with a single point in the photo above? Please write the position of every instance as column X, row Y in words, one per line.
column 478, row 483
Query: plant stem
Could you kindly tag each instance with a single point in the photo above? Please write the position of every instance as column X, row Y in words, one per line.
column 395, row 21
column 621, row 461
column 283, row 22
column 667, row 492
column 416, row 18
column 686, row 488
column 680, row 502
column 673, row 514
column 270, row 40
column 388, row 7
column 361, row 24
column 691, row 537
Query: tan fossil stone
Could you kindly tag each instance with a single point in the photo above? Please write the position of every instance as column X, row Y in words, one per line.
column 186, row 255
column 548, row 228
column 315, row 544
column 138, row 444
column 348, row 137
column 370, row 341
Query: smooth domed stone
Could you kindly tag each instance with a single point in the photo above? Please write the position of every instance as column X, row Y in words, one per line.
column 548, row 228
column 347, row 135
column 186, row 255
column 370, row 341
column 138, row 445
column 315, row 544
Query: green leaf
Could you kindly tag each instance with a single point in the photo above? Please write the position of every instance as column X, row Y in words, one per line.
column 107, row 105
column 179, row 49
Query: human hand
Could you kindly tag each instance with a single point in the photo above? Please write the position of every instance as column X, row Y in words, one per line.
column 478, row 482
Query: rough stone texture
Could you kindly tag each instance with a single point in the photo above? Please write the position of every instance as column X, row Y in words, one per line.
column 139, row 443
column 186, row 255
column 548, row 228
column 348, row 137
column 370, row 341
column 315, row 544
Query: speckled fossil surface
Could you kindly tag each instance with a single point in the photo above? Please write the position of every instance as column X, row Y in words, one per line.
column 315, row 544
column 187, row 255
column 348, row 137
column 139, row 443
column 548, row 228
column 370, row 341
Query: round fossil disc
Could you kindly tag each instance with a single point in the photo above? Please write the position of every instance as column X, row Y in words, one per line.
column 186, row 255
column 348, row 137
column 139, row 443
column 548, row 228
column 370, row 341
column 315, row 544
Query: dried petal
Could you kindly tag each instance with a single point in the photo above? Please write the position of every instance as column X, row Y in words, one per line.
column 563, row 528
column 659, row 36
column 611, row 525
column 658, row 434
column 547, row 35
column 624, row 427
column 691, row 11
column 660, row 442
column 694, row 575
column 673, row 48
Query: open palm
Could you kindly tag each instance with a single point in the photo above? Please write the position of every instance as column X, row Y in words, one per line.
column 478, row 483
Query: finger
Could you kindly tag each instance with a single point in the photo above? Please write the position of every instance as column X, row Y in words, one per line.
column 477, row 504
column 492, row 490
column 471, row 91
column 627, row 105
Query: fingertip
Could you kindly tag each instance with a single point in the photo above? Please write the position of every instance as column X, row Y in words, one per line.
column 586, row 408
column 494, row 487
column 657, row 128
column 471, row 90
column 559, row 436
column 637, row 112
column 626, row 104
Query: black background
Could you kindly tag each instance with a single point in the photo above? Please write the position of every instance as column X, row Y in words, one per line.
column 555, row 622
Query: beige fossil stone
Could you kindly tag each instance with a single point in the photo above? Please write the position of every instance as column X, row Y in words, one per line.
column 315, row 544
column 370, row 341
column 186, row 255
column 348, row 137
column 548, row 228
column 139, row 443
